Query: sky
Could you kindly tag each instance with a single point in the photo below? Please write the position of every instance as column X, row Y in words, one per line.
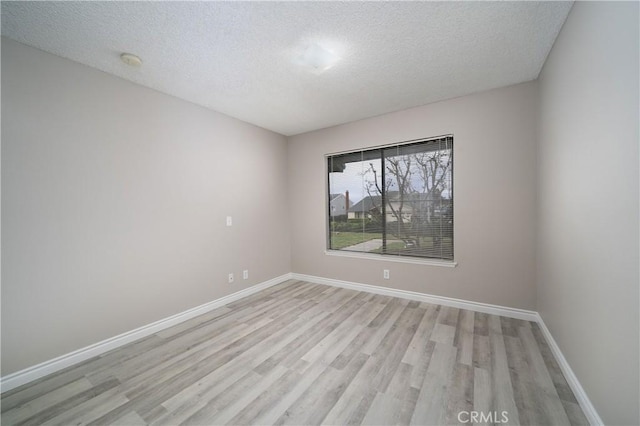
column 353, row 179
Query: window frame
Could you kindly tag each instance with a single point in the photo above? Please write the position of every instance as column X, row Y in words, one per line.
column 435, row 261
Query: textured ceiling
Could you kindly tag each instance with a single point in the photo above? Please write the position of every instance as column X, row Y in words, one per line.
column 238, row 58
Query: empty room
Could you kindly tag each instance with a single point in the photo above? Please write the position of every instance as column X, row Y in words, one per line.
column 259, row 213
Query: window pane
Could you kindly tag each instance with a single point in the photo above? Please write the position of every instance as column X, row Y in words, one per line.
column 351, row 180
column 418, row 184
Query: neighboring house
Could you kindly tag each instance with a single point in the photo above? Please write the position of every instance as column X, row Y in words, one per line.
column 371, row 206
column 338, row 204
column 365, row 208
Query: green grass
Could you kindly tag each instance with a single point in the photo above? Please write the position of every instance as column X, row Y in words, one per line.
column 425, row 249
column 340, row 240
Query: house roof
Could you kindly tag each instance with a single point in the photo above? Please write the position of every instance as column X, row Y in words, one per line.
column 370, row 202
column 366, row 204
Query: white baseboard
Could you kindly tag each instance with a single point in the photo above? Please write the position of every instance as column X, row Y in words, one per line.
column 581, row 396
column 578, row 391
column 422, row 297
column 35, row 372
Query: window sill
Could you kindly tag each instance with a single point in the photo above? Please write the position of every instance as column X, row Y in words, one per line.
column 399, row 259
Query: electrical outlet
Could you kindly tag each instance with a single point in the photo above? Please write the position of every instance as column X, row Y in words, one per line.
column 385, row 274
column 230, row 278
column 229, row 221
column 245, row 274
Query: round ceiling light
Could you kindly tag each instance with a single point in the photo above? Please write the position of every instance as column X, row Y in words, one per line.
column 131, row 59
column 317, row 58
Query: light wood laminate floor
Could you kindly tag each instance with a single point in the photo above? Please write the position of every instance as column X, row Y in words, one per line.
column 300, row 353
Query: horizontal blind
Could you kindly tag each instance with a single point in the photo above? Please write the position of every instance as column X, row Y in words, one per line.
column 395, row 200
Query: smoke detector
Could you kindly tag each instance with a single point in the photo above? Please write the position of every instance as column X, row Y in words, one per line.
column 131, row 59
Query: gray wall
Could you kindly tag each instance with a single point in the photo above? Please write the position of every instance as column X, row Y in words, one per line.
column 588, row 203
column 114, row 200
column 494, row 185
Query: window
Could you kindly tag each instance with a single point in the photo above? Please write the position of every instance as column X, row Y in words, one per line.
column 393, row 200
